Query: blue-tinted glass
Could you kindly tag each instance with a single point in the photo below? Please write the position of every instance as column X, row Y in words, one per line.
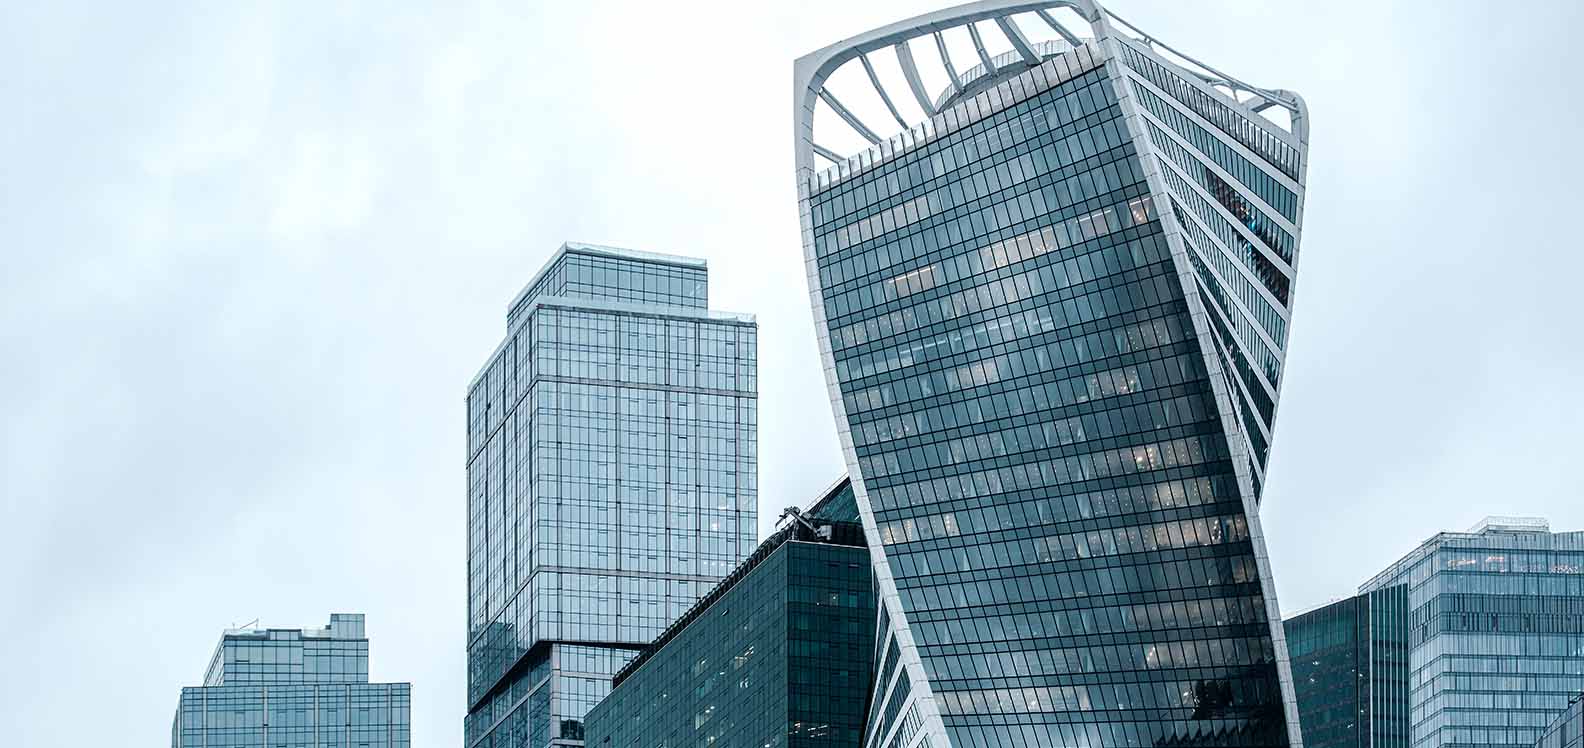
column 611, row 480
column 1350, row 670
column 1036, row 427
column 1495, row 622
column 777, row 655
column 294, row 688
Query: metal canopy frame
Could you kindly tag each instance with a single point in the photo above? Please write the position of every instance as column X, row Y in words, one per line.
column 812, row 71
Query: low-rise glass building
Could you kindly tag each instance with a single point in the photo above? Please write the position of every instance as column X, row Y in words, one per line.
column 293, row 688
column 1495, row 622
column 1350, row 671
column 777, row 655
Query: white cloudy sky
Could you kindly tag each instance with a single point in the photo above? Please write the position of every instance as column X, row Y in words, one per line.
column 251, row 255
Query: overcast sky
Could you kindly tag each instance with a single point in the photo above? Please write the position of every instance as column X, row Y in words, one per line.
column 250, row 258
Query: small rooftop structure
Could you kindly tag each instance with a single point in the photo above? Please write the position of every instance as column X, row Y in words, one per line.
column 341, row 626
column 1510, row 524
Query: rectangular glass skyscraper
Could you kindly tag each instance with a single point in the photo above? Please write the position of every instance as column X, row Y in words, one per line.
column 1495, row 621
column 611, row 472
column 776, row 656
column 1052, row 291
column 1350, row 671
column 294, row 688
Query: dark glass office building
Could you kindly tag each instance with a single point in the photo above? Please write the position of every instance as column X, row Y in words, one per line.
column 1495, row 622
column 776, row 656
column 612, row 469
column 1567, row 730
column 1350, row 671
column 1053, row 311
column 294, row 688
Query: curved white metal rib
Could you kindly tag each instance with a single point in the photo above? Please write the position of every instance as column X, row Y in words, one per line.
column 880, row 89
column 812, row 71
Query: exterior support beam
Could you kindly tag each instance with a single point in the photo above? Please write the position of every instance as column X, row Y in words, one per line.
column 826, row 153
column 904, row 55
column 951, row 70
column 849, row 117
column 1019, row 42
column 1060, row 29
column 984, row 56
column 879, row 89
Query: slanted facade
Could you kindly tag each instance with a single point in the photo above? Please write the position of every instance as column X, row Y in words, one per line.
column 1052, row 302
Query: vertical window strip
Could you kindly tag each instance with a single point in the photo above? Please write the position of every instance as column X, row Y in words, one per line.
column 1274, row 193
column 1266, row 271
column 1262, row 310
column 1251, row 340
column 1256, row 137
column 1255, row 219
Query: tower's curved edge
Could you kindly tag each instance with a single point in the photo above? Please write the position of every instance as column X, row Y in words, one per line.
column 920, row 704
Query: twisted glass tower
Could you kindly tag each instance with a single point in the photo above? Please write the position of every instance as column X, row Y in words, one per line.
column 1052, row 309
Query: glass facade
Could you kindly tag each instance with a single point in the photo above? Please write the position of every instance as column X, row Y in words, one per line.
column 1350, row 671
column 1495, row 622
column 777, row 656
column 586, row 271
column 612, row 474
column 294, row 688
column 1567, row 730
column 1056, row 427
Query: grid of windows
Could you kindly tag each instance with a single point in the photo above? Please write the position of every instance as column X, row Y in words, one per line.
column 1242, row 369
column 1037, row 438
column 1251, row 341
column 337, row 653
column 290, row 659
column 775, row 658
column 1263, row 185
column 1252, row 217
column 636, row 282
column 1567, row 730
column 1495, row 622
column 1257, row 138
column 1350, row 668
column 294, row 688
column 377, row 715
column 612, row 477
column 624, row 276
column 1226, row 270
column 1269, row 274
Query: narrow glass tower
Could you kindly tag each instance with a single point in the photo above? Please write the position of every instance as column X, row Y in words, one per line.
column 1350, row 670
column 611, row 472
column 1053, row 310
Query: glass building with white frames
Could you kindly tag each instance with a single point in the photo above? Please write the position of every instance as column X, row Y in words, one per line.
column 611, row 481
column 1052, row 264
